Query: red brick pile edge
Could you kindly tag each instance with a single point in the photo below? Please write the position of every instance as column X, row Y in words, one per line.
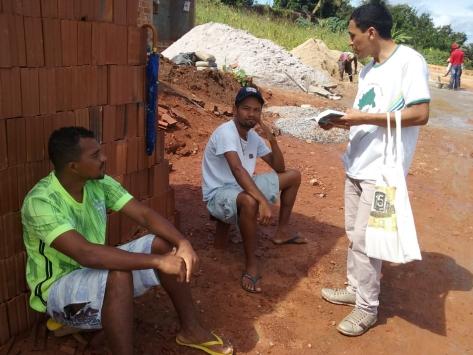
column 64, row 63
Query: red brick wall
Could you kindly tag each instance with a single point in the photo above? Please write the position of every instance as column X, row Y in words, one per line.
column 145, row 12
column 63, row 63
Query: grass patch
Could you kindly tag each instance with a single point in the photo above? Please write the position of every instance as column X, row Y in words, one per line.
column 281, row 31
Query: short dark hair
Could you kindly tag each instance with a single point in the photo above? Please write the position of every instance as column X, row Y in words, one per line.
column 63, row 145
column 373, row 15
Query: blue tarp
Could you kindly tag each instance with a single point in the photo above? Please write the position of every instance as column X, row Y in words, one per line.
column 152, row 69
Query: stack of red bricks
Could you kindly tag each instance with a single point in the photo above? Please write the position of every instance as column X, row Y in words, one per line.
column 64, row 63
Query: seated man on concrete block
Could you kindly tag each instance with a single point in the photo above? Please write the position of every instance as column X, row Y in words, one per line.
column 233, row 195
column 79, row 281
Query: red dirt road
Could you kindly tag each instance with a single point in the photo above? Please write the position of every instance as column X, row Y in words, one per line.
column 426, row 307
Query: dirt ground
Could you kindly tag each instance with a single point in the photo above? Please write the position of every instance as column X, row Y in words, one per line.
column 425, row 306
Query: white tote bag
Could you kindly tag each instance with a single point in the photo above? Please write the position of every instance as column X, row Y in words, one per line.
column 391, row 233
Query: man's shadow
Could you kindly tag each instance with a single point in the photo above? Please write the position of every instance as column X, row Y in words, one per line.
column 417, row 291
column 216, row 289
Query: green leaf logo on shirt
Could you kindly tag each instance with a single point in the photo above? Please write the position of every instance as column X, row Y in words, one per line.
column 368, row 99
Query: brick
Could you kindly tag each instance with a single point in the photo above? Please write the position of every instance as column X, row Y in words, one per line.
column 12, row 223
column 52, row 42
column 160, row 140
column 34, row 172
column 136, row 46
column 82, row 117
column 121, row 148
column 9, row 264
column 32, row 315
column 49, row 8
column 48, row 128
column 64, row 86
column 96, row 121
column 99, row 43
column 131, row 126
column 65, row 9
column 20, row 264
column 109, row 118
column 143, row 184
column 13, row 321
column 132, row 156
column 10, row 93
column 115, row 79
column 22, row 313
column 141, row 120
column 30, row 91
column 119, row 12
column 47, row 90
column 31, row 8
column 105, row 11
column 120, row 122
column 116, row 44
column 113, row 229
column 63, row 119
column 84, row 10
column 159, row 175
column 16, row 141
column 4, row 328
column 92, row 81
column 34, row 138
column 20, row 173
column 5, row 51
column 3, row 145
column 110, row 151
column 69, row 42
column 137, row 83
column 8, row 190
column 12, row 41
column 141, row 154
column 4, row 251
column 81, row 86
column 84, row 40
column 102, row 85
column 132, row 12
column 158, row 203
column 34, row 42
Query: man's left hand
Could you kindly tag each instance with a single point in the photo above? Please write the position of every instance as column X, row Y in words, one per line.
column 352, row 118
column 186, row 252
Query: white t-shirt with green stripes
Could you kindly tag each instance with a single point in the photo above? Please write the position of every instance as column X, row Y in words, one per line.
column 49, row 211
column 401, row 81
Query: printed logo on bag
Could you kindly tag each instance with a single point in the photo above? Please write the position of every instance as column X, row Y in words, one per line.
column 383, row 213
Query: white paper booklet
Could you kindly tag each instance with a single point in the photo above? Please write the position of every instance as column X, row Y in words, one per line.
column 327, row 115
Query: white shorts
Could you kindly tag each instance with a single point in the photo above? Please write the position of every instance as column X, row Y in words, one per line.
column 76, row 299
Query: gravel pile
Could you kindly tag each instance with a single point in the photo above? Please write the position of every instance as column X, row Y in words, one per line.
column 295, row 120
column 260, row 58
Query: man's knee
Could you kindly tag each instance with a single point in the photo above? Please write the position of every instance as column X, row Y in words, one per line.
column 293, row 177
column 160, row 246
column 247, row 203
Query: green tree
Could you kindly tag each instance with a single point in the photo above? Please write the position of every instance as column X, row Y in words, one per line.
column 238, row 2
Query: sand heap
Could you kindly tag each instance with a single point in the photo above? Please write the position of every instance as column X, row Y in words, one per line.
column 259, row 58
column 316, row 54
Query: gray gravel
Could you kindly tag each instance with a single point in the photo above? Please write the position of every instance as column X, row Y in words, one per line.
column 295, row 120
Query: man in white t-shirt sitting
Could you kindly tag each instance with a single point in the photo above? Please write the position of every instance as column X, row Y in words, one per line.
column 395, row 80
column 234, row 195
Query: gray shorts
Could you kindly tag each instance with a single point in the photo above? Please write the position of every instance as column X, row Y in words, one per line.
column 223, row 204
column 76, row 299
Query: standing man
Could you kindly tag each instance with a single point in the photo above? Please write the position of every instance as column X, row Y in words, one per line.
column 345, row 65
column 456, row 60
column 234, row 195
column 79, row 281
column 396, row 79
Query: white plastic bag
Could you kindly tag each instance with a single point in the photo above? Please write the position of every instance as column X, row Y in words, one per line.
column 391, row 233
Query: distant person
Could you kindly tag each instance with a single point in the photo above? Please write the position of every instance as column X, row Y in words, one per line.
column 395, row 79
column 455, row 68
column 81, row 282
column 234, row 195
column 345, row 62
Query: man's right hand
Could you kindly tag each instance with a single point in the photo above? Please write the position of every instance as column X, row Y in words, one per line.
column 264, row 213
column 173, row 265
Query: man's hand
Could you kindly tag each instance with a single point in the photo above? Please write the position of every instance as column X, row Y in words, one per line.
column 172, row 264
column 187, row 253
column 264, row 213
column 267, row 131
column 352, row 118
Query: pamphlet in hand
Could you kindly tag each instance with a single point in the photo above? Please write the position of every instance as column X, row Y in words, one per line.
column 326, row 116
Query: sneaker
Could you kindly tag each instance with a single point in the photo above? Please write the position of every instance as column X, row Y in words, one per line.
column 339, row 296
column 356, row 323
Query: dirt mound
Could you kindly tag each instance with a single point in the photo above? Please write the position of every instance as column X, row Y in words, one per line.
column 316, row 54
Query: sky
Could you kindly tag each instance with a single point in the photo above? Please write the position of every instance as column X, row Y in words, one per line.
column 459, row 15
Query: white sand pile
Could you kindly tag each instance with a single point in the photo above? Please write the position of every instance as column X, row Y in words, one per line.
column 265, row 61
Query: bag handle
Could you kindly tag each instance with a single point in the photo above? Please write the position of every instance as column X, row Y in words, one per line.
column 397, row 116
